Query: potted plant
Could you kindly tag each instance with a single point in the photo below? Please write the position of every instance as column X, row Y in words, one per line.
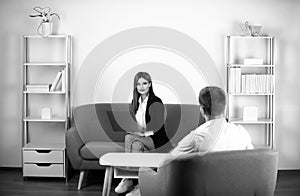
column 45, row 27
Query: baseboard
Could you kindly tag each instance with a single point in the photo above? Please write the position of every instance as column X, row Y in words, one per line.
column 289, row 171
column 11, row 168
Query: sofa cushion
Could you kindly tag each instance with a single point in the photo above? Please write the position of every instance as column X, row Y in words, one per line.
column 93, row 124
column 94, row 150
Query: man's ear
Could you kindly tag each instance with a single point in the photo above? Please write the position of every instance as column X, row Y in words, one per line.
column 201, row 108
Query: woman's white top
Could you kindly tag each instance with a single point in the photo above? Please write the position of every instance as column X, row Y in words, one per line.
column 140, row 115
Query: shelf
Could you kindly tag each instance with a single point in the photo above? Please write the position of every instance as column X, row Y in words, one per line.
column 251, row 94
column 50, row 36
column 46, row 64
column 44, row 146
column 49, row 92
column 125, row 173
column 251, row 37
column 259, row 121
column 261, row 147
column 39, row 119
column 248, row 66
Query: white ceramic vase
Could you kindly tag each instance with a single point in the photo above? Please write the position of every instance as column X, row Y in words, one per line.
column 45, row 29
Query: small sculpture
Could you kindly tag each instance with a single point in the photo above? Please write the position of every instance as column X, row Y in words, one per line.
column 245, row 31
column 45, row 27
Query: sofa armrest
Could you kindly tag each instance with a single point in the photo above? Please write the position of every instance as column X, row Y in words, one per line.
column 73, row 146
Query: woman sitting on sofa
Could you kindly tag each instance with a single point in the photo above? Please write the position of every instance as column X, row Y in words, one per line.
column 148, row 111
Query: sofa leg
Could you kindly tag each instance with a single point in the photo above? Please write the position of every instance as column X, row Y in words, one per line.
column 81, row 177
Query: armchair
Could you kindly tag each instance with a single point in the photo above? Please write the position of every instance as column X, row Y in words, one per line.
column 234, row 173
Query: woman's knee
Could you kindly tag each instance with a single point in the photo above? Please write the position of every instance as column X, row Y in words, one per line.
column 137, row 146
column 129, row 138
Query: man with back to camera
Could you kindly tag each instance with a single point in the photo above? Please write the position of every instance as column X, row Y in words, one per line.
column 216, row 134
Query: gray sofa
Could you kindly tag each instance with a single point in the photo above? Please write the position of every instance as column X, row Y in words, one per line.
column 92, row 134
column 234, row 173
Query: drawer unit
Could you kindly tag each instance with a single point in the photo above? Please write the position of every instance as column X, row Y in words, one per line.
column 44, row 162
column 43, row 156
column 43, row 170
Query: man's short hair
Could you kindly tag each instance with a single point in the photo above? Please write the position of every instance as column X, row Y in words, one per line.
column 213, row 100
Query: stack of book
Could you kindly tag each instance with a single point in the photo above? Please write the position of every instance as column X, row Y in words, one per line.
column 257, row 83
column 58, row 84
column 250, row 83
column 38, row 88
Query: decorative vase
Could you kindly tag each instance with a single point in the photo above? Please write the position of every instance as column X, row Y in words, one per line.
column 45, row 29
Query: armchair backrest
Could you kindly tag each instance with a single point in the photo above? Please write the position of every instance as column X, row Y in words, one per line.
column 234, row 173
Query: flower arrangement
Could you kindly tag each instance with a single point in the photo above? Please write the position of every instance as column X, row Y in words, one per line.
column 44, row 13
column 45, row 27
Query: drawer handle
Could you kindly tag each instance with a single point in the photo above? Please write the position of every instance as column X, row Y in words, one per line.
column 43, row 151
column 44, row 164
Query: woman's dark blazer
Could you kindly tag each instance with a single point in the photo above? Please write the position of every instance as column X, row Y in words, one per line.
column 155, row 119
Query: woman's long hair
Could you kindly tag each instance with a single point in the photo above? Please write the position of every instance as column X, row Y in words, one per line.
column 136, row 94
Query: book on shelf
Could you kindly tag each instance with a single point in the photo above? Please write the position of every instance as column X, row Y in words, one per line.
column 38, row 88
column 56, row 80
column 63, row 80
column 238, row 73
column 235, row 80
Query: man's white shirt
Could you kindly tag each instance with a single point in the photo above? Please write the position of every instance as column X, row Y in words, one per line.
column 214, row 135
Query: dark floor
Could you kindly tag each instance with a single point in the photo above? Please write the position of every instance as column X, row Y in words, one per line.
column 12, row 183
column 288, row 183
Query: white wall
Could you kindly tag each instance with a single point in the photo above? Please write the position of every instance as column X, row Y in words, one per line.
column 91, row 22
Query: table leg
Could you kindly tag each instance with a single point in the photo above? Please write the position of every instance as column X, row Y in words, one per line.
column 107, row 181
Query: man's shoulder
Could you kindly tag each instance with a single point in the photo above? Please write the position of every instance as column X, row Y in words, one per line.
column 234, row 126
column 202, row 129
column 237, row 129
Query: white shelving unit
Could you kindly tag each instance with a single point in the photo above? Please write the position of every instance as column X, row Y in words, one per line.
column 252, row 85
column 43, row 152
